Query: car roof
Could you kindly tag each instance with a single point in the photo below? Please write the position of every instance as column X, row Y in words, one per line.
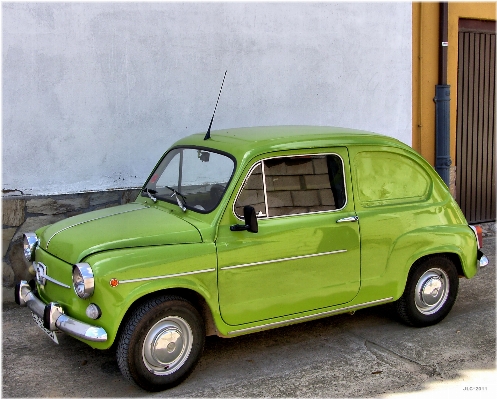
column 250, row 141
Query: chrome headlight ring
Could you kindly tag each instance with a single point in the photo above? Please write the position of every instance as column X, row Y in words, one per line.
column 83, row 280
column 30, row 241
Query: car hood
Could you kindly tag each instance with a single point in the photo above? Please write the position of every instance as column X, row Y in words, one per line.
column 125, row 226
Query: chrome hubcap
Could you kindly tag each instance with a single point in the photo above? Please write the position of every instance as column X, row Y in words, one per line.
column 432, row 290
column 167, row 345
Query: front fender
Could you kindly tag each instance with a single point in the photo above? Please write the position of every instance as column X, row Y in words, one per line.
column 450, row 239
column 141, row 271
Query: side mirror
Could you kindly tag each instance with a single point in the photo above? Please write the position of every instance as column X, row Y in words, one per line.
column 250, row 221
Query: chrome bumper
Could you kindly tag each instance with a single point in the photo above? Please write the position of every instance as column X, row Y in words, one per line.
column 54, row 318
column 482, row 259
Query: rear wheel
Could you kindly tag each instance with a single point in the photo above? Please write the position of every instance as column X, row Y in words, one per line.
column 430, row 292
column 161, row 343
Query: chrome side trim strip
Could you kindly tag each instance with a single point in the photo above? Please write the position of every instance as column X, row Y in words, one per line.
column 283, row 259
column 86, row 221
column 312, row 316
column 166, row 276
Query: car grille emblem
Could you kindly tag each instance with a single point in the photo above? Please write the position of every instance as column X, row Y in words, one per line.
column 41, row 273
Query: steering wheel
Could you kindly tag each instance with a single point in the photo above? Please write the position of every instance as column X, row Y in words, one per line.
column 216, row 192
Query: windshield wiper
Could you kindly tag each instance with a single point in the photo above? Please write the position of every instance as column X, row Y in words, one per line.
column 177, row 194
column 150, row 193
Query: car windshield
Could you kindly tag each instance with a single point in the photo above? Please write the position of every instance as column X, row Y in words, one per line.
column 193, row 178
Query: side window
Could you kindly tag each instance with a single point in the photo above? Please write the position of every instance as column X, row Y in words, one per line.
column 389, row 178
column 252, row 193
column 294, row 185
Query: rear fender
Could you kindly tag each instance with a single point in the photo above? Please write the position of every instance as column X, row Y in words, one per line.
column 458, row 240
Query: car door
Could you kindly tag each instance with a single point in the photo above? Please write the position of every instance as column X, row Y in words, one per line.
column 306, row 254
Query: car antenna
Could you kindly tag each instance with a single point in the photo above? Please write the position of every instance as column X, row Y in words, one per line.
column 208, row 134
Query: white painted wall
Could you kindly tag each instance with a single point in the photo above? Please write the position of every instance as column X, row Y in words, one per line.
column 94, row 93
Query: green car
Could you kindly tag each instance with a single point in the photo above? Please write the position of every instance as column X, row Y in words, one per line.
column 246, row 230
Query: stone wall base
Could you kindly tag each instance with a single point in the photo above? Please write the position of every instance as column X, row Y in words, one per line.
column 21, row 214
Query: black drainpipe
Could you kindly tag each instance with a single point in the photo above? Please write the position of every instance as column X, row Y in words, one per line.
column 442, row 103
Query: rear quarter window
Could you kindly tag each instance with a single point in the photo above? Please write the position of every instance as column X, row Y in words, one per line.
column 390, row 178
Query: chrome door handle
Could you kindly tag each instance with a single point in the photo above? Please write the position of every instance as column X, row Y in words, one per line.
column 349, row 219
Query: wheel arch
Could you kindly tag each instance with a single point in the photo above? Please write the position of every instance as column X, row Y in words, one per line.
column 452, row 256
column 452, row 241
column 190, row 295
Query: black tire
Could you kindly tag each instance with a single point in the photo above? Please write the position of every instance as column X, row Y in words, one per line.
column 430, row 292
column 161, row 343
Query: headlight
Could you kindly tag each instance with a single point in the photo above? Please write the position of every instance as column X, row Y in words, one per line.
column 30, row 241
column 82, row 279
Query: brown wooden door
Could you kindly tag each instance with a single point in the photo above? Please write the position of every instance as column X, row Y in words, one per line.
column 475, row 137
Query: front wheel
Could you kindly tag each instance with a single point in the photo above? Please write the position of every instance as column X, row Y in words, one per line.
column 161, row 343
column 430, row 292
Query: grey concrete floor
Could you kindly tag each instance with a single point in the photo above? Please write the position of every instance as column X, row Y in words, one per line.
column 369, row 354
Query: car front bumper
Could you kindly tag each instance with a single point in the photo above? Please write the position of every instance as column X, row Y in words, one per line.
column 54, row 318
